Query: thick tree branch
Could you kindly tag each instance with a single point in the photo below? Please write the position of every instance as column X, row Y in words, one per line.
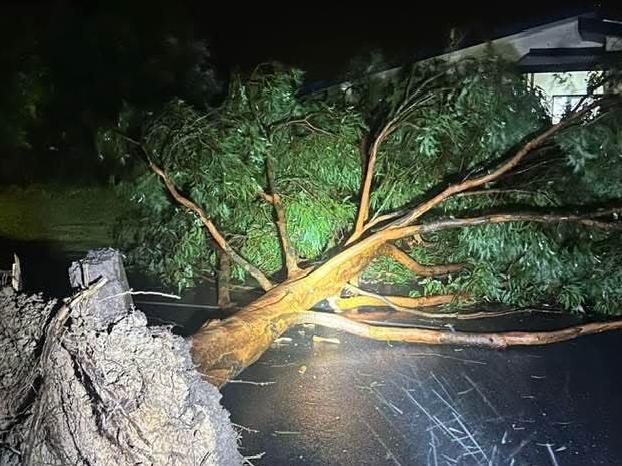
column 363, row 212
column 289, row 252
column 406, row 316
column 352, row 260
column 447, row 224
column 504, row 167
column 497, row 340
column 412, row 100
column 398, row 303
column 395, row 253
column 403, row 306
column 253, row 271
column 408, row 305
column 582, row 219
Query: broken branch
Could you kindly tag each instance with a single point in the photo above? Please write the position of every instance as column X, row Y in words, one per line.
column 253, row 271
column 405, row 316
column 395, row 253
column 446, row 224
column 498, row 340
column 585, row 219
column 400, row 303
column 289, row 253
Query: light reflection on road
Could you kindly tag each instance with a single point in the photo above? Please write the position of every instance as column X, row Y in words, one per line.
column 363, row 402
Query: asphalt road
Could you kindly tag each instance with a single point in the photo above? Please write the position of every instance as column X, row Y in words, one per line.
column 371, row 403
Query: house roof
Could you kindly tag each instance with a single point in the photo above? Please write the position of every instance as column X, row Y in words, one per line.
column 568, row 59
column 596, row 28
column 582, row 48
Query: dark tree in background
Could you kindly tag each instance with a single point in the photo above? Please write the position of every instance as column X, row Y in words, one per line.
column 72, row 67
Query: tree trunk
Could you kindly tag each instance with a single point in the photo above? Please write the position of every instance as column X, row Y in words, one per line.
column 223, row 349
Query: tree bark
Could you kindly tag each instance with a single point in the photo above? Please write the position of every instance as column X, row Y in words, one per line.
column 401, row 257
column 290, row 255
column 368, row 177
column 494, row 340
column 223, row 349
column 223, row 279
column 402, row 303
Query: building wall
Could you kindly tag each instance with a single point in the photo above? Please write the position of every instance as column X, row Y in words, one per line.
column 560, row 90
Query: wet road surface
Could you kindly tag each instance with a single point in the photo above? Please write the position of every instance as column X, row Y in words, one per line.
column 371, row 403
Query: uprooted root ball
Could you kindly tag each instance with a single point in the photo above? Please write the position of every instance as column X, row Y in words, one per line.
column 114, row 394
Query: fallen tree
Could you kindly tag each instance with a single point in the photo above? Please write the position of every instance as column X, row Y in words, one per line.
column 272, row 178
column 85, row 381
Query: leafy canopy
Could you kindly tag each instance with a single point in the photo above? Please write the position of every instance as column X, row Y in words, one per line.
column 465, row 120
column 218, row 156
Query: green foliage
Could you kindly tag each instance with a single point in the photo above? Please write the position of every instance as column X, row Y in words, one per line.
column 527, row 264
column 463, row 121
column 467, row 119
column 594, row 152
column 474, row 118
column 385, row 270
column 217, row 157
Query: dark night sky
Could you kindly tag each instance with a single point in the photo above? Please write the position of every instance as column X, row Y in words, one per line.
column 322, row 37
column 97, row 54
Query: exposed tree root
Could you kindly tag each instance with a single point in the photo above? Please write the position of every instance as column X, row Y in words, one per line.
column 87, row 382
